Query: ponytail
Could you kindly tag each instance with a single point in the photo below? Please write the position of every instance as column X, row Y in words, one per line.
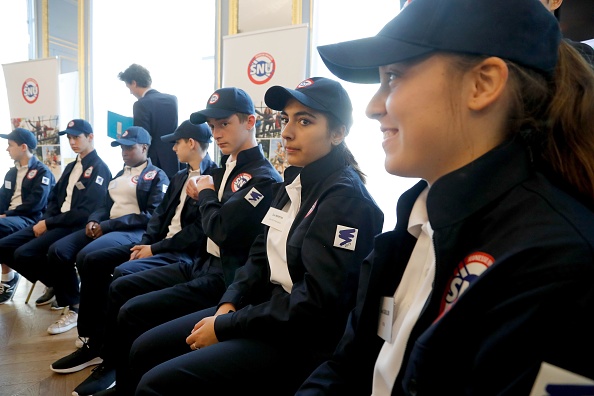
column 569, row 147
column 335, row 124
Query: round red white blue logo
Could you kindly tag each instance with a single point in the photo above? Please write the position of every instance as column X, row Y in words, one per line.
column 213, row 98
column 30, row 90
column 305, row 83
column 261, row 68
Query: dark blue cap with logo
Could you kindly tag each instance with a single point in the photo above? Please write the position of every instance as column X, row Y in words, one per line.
column 224, row 103
column 77, row 127
column 21, row 136
column 521, row 31
column 133, row 135
column 187, row 130
column 319, row 93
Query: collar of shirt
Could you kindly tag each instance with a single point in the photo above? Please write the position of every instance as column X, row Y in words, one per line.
column 418, row 215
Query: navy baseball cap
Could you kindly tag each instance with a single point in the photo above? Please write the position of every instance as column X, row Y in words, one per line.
column 224, row 103
column 77, row 127
column 200, row 132
column 318, row 93
column 133, row 135
column 522, row 31
column 21, row 136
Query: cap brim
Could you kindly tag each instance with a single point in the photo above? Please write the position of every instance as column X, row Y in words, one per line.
column 123, row 142
column 3, row 135
column 169, row 138
column 277, row 97
column 358, row 61
column 200, row 116
column 73, row 132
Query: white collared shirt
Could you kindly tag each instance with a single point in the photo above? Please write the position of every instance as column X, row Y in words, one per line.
column 175, row 225
column 410, row 298
column 276, row 242
column 122, row 191
column 72, row 180
column 17, row 197
column 211, row 246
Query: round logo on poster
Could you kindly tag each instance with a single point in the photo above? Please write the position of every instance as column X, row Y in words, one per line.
column 261, row 68
column 30, row 90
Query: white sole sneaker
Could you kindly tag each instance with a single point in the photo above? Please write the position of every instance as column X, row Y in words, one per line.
column 66, row 322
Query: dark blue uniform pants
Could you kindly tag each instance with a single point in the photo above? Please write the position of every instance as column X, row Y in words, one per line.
column 64, row 253
column 163, row 364
column 11, row 224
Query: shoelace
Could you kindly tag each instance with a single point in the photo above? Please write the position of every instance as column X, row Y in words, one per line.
column 4, row 287
column 65, row 318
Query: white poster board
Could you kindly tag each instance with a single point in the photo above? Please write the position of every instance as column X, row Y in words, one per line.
column 254, row 62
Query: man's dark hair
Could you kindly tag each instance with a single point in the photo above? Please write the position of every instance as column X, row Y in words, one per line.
column 136, row 73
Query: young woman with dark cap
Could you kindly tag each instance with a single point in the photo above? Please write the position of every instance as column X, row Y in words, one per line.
column 489, row 271
column 287, row 307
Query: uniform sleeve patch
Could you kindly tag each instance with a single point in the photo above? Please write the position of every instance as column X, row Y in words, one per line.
column 31, row 174
column 345, row 237
column 165, row 186
column 254, row 197
column 240, row 181
column 7, row 184
column 99, row 180
column 150, row 175
column 88, row 172
column 45, row 180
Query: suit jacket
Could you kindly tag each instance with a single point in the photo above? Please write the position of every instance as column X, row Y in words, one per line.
column 157, row 113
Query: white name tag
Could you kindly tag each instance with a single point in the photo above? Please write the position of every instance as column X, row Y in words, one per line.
column 80, row 186
column 7, row 184
column 384, row 327
column 552, row 380
column 275, row 218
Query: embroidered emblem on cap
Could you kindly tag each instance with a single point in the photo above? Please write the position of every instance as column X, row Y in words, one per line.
column 254, row 197
column 150, row 175
column 31, row 174
column 88, row 172
column 240, row 181
column 125, row 134
column 345, row 237
column 214, row 98
column 70, row 124
column 469, row 269
column 305, row 83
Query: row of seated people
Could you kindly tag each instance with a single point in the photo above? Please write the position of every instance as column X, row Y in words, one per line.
column 211, row 241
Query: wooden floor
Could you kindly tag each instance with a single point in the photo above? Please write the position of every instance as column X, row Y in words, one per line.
column 27, row 350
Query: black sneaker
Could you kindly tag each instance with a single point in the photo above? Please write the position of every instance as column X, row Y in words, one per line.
column 76, row 361
column 101, row 378
column 7, row 289
column 46, row 297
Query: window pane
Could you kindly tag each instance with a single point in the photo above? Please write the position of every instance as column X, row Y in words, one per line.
column 365, row 138
column 175, row 41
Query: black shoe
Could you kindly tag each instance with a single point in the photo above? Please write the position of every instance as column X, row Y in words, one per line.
column 46, row 297
column 76, row 361
column 7, row 289
column 101, row 378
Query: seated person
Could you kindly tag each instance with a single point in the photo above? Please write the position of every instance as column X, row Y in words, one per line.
column 173, row 234
column 489, row 272
column 79, row 191
column 23, row 196
column 232, row 201
column 132, row 196
column 288, row 304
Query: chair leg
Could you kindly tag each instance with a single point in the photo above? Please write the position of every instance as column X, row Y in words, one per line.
column 30, row 292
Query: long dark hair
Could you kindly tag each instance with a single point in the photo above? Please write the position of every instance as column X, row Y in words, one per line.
column 333, row 125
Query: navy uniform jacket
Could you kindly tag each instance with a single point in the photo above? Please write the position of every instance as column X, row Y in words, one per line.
column 513, row 287
column 191, row 238
column 235, row 222
column 157, row 113
column 324, row 275
column 35, row 190
column 150, row 189
column 94, row 178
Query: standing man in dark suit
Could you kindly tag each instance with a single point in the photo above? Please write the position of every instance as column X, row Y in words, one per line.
column 157, row 113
